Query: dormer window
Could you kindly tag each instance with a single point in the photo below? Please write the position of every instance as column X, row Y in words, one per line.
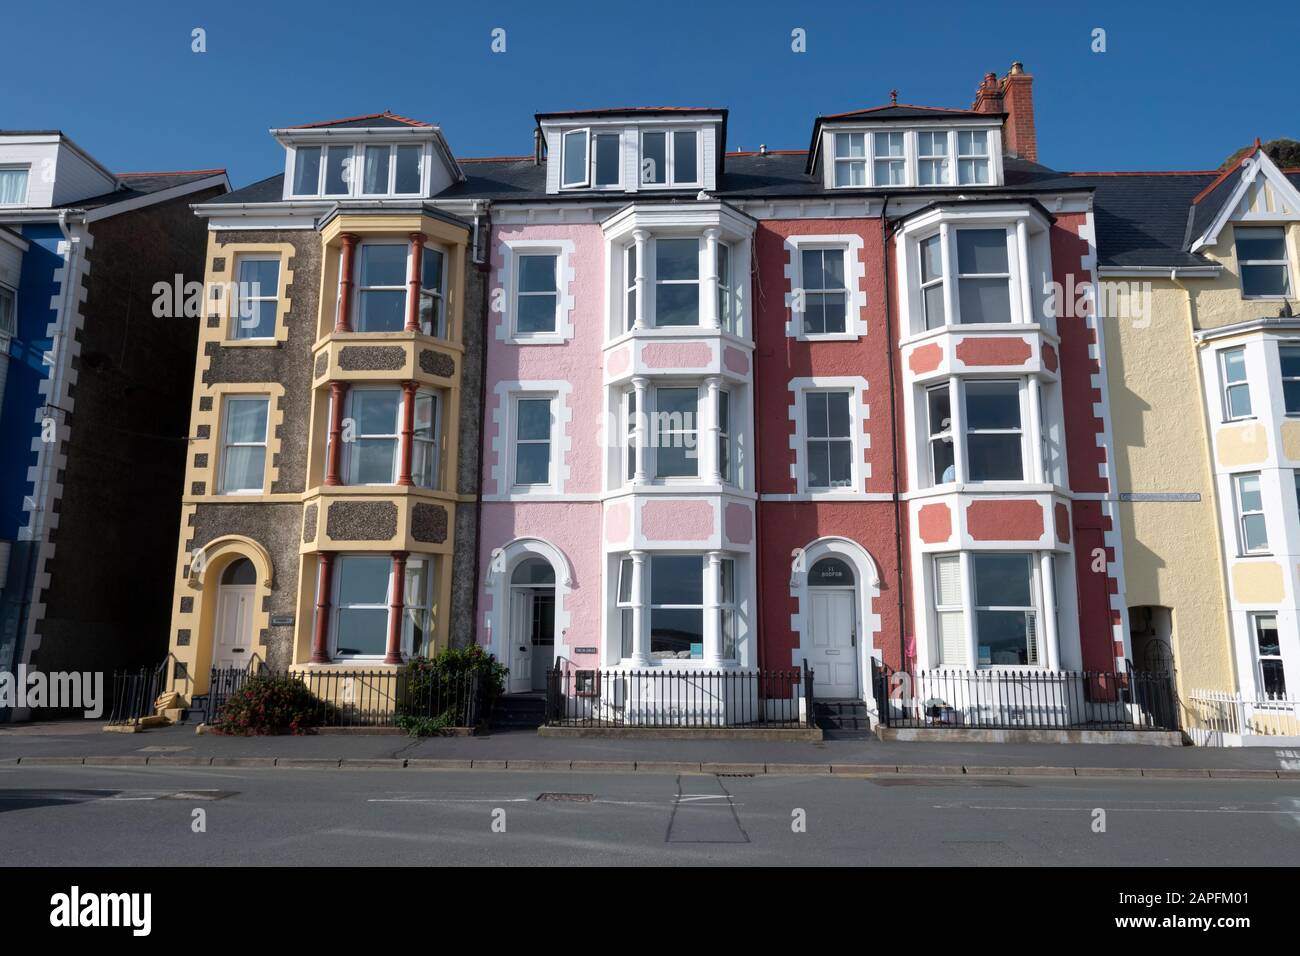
column 973, row 157
column 575, row 158
column 850, row 159
column 890, row 159
column 884, row 158
column 932, row 158
column 591, row 159
column 13, row 185
column 385, row 170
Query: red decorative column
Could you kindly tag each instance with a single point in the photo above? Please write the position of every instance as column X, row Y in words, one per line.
column 407, row 449
column 338, row 395
column 413, row 283
column 324, row 583
column 398, row 603
column 346, row 268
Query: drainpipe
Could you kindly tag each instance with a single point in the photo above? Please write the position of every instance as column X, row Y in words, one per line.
column 893, row 437
column 485, row 273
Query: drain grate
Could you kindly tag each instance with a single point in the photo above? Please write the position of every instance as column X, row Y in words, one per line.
column 733, row 775
column 567, row 797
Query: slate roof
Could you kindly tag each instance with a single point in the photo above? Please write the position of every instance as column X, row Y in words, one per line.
column 135, row 185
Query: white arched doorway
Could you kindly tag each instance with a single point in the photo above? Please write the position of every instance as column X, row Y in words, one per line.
column 232, row 637
column 837, row 584
column 528, row 580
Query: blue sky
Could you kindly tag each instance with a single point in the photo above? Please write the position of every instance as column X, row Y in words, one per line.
column 1180, row 86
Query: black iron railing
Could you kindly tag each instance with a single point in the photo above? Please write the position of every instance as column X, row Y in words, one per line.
column 135, row 692
column 1008, row 699
column 657, row 697
column 360, row 698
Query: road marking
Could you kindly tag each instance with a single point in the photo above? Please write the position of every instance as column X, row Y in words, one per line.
column 449, row 800
column 962, row 806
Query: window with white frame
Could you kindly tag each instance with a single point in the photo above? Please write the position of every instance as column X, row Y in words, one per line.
column 13, row 185
column 932, row 295
column 381, row 289
column 677, row 282
column 533, row 419
column 983, row 276
column 1268, row 655
column 932, row 158
column 307, row 171
column 829, row 439
column 850, row 159
column 424, row 439
column 629, row 430
column 1006, row 608
column 1289, row 366
column 676, row 432
column 973, row 160
column 949, row 611
column 574, row 169
column 8, row 313
column 724, row 435
column 1252, row 527
column 994, row 436
column 537, row 295
column 670, row 157
column 1236, row 387
column 256, row 297
column 372, row 455
column 938, row 399
column 361, row 606
column 243, row 444
column 346, row 170
column 889, row 159
column 629, row 285
column 726, row 290
column 607, row 159
column 676, row 606
column 391, row 170
column 323, row 171
column 623, row 601
column 825, row 293
column 727, row 609
column 418, row 599
column 1264, row 264
column 433, row 306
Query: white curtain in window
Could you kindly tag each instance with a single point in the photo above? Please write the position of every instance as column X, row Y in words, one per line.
column 13, row 186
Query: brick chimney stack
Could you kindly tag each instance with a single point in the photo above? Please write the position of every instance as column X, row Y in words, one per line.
column 1013, row 94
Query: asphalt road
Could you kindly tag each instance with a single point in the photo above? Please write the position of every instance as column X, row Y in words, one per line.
column 145, row 816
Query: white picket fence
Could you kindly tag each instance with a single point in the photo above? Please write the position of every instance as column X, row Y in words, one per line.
column 1229, row 719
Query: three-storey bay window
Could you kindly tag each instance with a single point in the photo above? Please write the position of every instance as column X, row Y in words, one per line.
column 677, row 282
column 829, row 440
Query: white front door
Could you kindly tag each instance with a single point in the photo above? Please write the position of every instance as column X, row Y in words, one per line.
column 233, row 642
column 521, row 641
column 832, row 652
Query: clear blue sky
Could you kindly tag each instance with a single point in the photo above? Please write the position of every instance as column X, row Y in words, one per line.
column 1180, row 86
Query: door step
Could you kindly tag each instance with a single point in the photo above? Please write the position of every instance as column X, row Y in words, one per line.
column 518, row 712
column 841, row 715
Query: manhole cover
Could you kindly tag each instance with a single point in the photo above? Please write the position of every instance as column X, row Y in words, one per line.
column 567, row 797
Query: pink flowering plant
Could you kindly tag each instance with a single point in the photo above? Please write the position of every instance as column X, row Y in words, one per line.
column 272, row 704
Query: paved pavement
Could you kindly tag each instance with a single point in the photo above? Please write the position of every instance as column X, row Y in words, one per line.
column 75, row 740
column 80, row 815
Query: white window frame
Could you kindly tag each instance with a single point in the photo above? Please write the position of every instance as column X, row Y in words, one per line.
column 652, row 247
column 551, row 440
column 336, row 606
column 238, row 298
column 985, row 157
column 227, row 444
column 846, row 264
column 350, row 461
column 433, row 442
column 939, row 281
column 726, row 438
column 426, row 603
column 391, row 176
column 1293, row 346
column 27, row 181
column 630, row 435
column 808, row 440
column 889, row 158
column 862, row 160
column 585, row 182
column 1254, row 619
column 631, row 269
column 650, row 607
column 946, row 156
column 655, row 432
column 940, row 611
column 1008, row 238
column 1036, row 655
column 354, row 174
column 728, row 614
column 670, row 157
column 1284, row 262
column 438, row 328
column 1243, row 542
column 946, row 433
column 625, row 605
column 404, row 288
column 516, row 292
column 728, row 300
column 595, row 134
column 1230, row 384
column 1021, row 431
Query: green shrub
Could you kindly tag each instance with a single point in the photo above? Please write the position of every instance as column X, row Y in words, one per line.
column 436, row 690
column 273, row 704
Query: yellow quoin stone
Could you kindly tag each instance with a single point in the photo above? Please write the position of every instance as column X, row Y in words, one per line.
column 1242, row 445
column 1257, row 582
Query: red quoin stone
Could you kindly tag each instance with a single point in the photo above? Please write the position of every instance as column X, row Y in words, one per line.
column 934, row 523
column 1003, row 520
column 1001, row 350
column 925, row 358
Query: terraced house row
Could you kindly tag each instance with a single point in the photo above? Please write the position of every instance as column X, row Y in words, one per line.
column 905, row 427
